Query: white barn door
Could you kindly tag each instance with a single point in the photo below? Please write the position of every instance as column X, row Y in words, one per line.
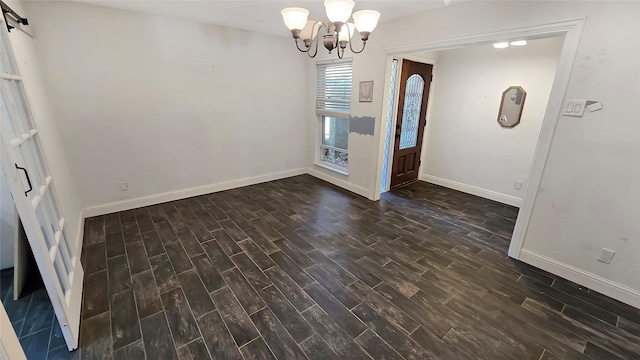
column 33, row 192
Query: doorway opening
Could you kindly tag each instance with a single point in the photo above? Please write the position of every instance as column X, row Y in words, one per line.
column 568, row 34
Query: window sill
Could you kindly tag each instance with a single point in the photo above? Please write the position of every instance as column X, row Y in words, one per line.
column 335, row 168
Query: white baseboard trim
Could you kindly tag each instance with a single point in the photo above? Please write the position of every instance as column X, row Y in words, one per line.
column 473, row 190
column 607, row 287
column 338, row 182
column 187, row 193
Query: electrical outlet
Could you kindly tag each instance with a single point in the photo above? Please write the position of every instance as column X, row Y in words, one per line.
column 606, row 256
column 517, row 185
column 124, row 186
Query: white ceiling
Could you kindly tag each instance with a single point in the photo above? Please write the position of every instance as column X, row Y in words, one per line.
column 259, row 15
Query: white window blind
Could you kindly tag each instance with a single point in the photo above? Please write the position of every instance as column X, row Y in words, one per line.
column 333, row 87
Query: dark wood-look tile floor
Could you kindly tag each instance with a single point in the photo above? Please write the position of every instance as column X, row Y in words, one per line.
column 299, row 269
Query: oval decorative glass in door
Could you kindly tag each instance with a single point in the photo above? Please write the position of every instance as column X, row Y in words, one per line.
column 411, row 114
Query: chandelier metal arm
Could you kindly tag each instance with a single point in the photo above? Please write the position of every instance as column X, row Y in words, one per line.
column 364, row 37
column 364, row 45
column 298, row 46
column 309, row 43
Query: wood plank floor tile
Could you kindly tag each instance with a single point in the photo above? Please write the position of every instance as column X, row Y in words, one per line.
column 118, row 274
column 333, row 334
column 217, row 255
column 237, row 320
column 181, row 322
column 96, row 337
column 152, row 243
column 257, row 350
column 286, row 313
column 291, row 268
column 255, row 276
column 124, row 327
column 195, row 350
column 146, row 294
column 256, row 254
column 338, row 312
column 197, row 296
column 376, row 347
column 191, row 245
column 178, row 257
column 226, row 242
column 277, row 338
column 292, row 291
column 339, row 291
column 135, row 350
column 158, row 343
column 217, row 338
column 208, row 273
column 317, row 349
column 96, row 300
column 241, row 288
column 163, row 273
column 138, row 259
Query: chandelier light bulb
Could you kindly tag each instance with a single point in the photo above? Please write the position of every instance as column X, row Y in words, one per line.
column 346, row 34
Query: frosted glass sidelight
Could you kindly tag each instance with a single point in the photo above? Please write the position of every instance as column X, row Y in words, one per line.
column 387, row 136
column 411, row 111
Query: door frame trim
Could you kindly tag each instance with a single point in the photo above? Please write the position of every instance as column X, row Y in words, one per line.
column 571, row 31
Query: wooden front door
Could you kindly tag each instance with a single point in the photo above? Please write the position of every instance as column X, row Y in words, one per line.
column 415, row 81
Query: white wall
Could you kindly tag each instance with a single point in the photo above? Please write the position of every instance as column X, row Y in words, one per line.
column 464, row 146
column 47, row 124
column 7, row 218
column 589, row 195
column 167, row 104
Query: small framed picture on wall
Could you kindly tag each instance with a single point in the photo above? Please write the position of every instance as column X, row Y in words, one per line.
column 366, row 91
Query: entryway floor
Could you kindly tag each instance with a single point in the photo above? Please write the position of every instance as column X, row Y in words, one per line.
column 297, row 269
column 33, row 318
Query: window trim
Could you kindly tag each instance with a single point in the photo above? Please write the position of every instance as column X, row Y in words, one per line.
column 321, row 112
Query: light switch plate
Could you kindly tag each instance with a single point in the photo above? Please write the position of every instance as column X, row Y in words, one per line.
column 574, row 108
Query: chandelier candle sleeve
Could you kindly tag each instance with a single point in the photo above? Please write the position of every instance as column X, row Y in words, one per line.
column 338, row 31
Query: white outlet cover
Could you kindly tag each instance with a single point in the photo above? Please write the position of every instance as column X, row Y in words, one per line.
column 606, row 256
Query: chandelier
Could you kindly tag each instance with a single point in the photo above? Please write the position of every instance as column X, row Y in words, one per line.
column 338, row 30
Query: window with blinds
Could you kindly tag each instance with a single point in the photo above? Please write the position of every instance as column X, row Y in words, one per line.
column 333, row 86
column 333, row 104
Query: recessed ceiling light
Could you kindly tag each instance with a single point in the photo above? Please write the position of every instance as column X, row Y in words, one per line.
column 519, row 43
column 501, row 45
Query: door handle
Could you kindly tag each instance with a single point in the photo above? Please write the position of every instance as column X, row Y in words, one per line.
column 26, row 174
